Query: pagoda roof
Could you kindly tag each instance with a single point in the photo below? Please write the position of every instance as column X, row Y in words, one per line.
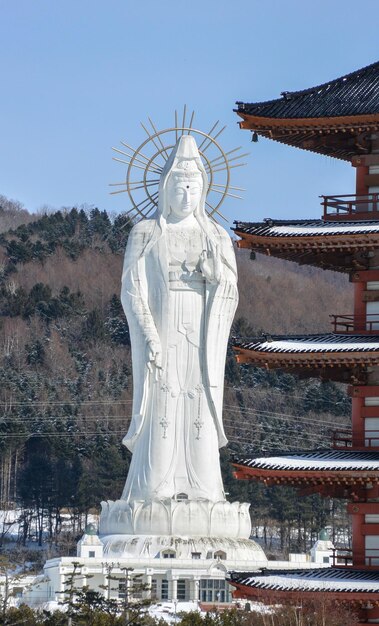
column 331, row 473
column 336, row 118
column 306, row 344
column 356, row 93
column 305, row 228
column 331, row 356
column 339, row 246
column 314, row 460
column 357, row 583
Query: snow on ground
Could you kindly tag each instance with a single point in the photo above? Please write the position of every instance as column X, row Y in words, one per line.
column 170, row 611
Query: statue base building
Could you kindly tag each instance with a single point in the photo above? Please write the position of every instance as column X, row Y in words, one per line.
column 173, row 569
column 182, row 548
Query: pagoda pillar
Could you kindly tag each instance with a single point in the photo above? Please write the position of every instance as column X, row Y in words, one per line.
column 358, row 539
column 359, row 306
column 358, row 422
column 361, row 188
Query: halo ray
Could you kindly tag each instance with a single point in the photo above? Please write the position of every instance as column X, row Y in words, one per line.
column 151, row 138
column 226, row 193
column 140, row 154
column 214, row 210
column 213, row 138
column 226, row 154
column 184, row 118
column 152, row 169
column 230, row 167
column 207, row 135
column 191, row 120
column 159, row 139
column 133, row 183
column 229, row 187
column 134, row 158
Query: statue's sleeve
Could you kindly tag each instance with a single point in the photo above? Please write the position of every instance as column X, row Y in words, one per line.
column 134, row 290
column 222, row 306
column 229, row 257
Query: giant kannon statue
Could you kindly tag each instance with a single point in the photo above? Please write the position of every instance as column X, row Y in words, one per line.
column 179, row 293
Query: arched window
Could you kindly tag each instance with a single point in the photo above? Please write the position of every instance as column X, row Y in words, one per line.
column 181, row 496
column 220, row 554
column 168, row 554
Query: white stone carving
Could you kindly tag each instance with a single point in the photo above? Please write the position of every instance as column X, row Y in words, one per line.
column 169, row 517
column 179, row 293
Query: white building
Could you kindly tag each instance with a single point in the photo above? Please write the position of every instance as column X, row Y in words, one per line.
column 172, row 574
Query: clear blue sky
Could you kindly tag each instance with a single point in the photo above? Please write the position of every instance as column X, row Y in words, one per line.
column 78, row 76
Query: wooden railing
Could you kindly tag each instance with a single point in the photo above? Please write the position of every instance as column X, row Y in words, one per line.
column 343, row 439
column 351, row 206
column 344, row 558
column 356, row 324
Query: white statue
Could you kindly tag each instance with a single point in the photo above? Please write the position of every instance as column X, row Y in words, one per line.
column 179, row 294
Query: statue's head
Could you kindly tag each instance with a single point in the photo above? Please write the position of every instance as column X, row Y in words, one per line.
column 184, row 182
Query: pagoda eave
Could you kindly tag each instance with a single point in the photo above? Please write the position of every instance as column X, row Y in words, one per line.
column 338, row 123
column 273, row 596
column 325, row 482
column 344, row 254
column 339, row 137
column 328, row 366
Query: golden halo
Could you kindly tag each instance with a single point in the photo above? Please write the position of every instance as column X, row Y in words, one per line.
column 151, row 155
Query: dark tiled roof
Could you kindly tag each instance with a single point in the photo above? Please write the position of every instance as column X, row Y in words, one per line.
column 329, row 342
column 320, row 460
column 354, row 94
column 320, row 579
column 305, row 228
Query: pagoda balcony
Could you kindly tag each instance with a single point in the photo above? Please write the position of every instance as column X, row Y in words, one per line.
column 351, row 207
column 356, row 324
column 343, row 439
column 343, row 557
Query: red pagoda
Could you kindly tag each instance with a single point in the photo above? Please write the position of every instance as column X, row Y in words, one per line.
column 338, row 119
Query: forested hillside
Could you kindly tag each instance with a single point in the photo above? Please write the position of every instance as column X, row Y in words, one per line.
column 66, row 380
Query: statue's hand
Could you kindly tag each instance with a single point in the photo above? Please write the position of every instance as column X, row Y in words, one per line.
column 209, row 265
column 154, row 354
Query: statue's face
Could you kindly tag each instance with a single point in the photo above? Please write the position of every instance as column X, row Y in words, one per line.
column 184, row 195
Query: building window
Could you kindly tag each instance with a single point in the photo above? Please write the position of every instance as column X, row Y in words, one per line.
column 168, row 554
column 325, row 559
column 91, row 554
column 164, row 592
column 181, row 589
column 154, row 589
column 220, row 554
column 214, row 591
column 121, row 589
column 196, row 555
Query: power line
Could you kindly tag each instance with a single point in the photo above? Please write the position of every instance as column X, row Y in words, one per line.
column 283, row 416
column 271, row 390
